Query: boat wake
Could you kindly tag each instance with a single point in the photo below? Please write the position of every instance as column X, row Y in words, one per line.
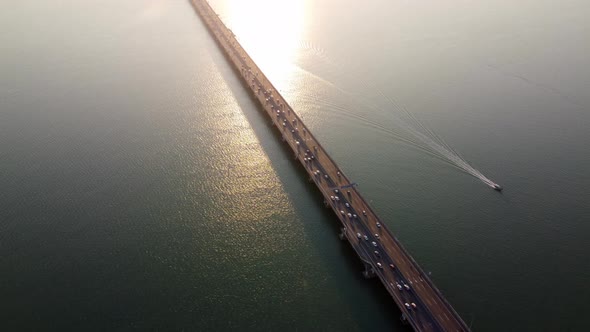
column 414, row 131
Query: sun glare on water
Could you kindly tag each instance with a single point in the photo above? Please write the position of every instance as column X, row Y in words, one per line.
column 270, row 30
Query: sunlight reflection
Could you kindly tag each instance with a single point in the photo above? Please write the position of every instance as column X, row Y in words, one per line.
column 249, row 199
column 271, row 31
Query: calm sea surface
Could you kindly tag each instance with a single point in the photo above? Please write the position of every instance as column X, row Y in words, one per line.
column 142, row 188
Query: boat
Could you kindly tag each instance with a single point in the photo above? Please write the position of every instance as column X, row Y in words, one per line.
column 496, row 187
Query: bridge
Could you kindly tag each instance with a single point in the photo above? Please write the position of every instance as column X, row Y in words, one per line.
column 422, row 305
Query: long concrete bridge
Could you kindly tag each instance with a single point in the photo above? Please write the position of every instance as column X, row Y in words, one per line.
column 422, row 305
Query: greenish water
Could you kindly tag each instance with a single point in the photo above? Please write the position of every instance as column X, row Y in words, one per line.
column 141, row 187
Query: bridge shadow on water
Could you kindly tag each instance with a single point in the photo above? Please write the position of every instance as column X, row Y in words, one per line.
column 261, row 124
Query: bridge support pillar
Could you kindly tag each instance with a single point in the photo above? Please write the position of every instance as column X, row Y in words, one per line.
column 342, row 234
column 369, row 272
column 404, row 319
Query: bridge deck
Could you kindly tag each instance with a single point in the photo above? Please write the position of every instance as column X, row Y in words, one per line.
column 432, row 312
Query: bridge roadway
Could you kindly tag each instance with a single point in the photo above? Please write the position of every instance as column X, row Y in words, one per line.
column 380, row 247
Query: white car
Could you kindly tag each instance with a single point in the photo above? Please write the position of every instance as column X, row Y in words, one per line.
column 399, row 286
column 379, row 265
column 347, row 205
column 408, row 306
column 366, row 238
column 374, row 243
column 358, row 235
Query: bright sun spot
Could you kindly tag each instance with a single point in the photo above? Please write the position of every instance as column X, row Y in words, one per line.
column 271, row 31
